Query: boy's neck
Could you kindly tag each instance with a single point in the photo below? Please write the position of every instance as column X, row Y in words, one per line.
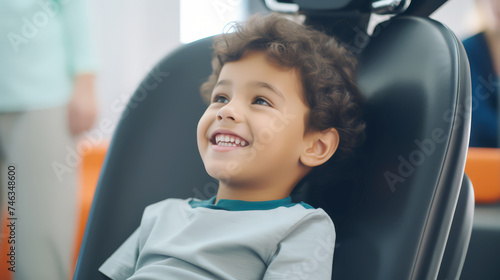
column 249, row 194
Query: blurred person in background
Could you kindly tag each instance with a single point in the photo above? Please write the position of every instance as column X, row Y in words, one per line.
column 483, row 50
column 47, row 99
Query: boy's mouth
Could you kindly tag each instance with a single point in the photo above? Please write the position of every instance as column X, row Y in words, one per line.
column 228, row 140
column 224, row 139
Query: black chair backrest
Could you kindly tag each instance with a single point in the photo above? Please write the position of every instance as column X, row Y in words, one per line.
column 414, row 77
column 460, row 234
column 153, row 154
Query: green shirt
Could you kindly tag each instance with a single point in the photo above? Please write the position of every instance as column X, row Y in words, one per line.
column 43, row 45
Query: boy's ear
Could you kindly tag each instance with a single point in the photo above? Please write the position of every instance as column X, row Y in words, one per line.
column 320, row 146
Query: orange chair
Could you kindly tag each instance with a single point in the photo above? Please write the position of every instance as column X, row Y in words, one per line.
column 5, row 274
column 90, row 169
column 483, row 168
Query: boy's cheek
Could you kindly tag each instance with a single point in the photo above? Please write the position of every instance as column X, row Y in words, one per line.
column 200, row 138
column 201, row 129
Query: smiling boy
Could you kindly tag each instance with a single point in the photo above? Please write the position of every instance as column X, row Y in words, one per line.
column 283, row 101
column 249, row 94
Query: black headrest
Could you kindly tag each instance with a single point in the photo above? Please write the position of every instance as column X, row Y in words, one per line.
column 324, row 7
column 345, row 19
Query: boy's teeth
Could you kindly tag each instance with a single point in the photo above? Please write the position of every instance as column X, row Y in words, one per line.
column 227, row 140
column 226, row 144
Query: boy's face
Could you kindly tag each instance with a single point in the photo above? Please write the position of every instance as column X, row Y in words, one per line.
column 252, row 133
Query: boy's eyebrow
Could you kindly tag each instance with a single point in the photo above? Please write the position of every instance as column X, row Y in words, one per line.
column 223, row 83
column 258, row 84
column 268, row 86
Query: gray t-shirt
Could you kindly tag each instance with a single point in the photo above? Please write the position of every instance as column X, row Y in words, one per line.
column 193, row 239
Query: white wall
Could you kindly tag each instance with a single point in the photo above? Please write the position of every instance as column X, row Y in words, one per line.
column 130, row 37
column 459, row 16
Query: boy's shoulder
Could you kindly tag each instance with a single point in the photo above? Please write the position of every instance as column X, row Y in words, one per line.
column 168, row 203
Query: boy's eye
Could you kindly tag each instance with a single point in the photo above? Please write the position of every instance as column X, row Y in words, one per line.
column 261, row 101
column 219, row 99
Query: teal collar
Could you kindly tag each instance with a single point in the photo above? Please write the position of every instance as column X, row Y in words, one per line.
column 241, row 205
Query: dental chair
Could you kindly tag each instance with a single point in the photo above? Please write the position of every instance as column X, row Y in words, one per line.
column 409, row 215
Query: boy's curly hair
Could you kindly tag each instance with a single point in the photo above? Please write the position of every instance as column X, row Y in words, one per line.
column 327, row 71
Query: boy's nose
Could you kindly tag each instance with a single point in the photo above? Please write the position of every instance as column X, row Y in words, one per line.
column 227, row 113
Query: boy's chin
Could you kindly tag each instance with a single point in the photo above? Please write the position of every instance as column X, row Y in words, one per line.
column 223, row 176
column 223, row 168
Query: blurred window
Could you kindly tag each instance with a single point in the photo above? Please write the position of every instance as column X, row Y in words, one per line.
column 203, row 18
